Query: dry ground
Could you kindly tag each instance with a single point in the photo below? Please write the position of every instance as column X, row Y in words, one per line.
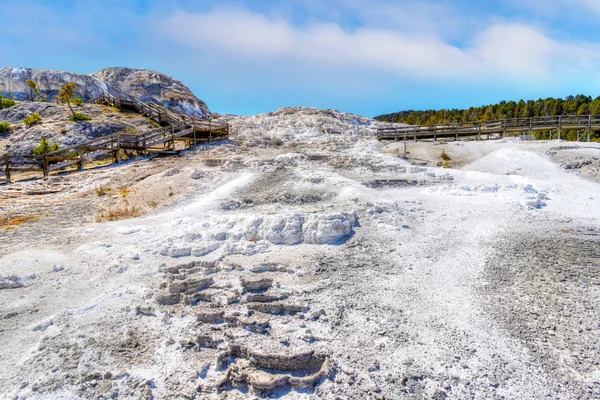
column 311, row 270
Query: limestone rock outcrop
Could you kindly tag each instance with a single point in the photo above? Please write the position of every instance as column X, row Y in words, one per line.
column 144, row 85
column 147, row 85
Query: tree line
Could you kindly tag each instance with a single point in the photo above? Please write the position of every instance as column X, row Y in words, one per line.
column 570, row 105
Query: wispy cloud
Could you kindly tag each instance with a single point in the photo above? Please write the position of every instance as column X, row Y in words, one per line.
column 367, row 56
column 502, row 49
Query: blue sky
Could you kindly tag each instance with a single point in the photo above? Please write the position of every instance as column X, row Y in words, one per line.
column 363, row 56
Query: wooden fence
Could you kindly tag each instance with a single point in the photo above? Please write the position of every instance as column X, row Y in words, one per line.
column 583, row 124
column 176, row 128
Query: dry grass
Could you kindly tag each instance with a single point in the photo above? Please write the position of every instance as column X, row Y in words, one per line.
column 153, row 203
column 11, row 223
column 103, row 190
column 124, row 191
column 445, row 156
column 117, row 214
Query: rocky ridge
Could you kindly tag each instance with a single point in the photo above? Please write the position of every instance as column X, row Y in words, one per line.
column 145, row 85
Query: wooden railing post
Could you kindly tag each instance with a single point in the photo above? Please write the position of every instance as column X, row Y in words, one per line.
column 80, row 153
column 589, row 128
column 7, row 168
column 559, row 126
column 195, row 137
column 45, row 168
column 118, row 147
column 173, row 137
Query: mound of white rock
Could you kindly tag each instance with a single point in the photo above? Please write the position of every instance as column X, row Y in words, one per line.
column 251, row 234
column 301, row 228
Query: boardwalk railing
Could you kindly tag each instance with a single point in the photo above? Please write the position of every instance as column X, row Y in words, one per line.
column 583, row 124
column 176, row 127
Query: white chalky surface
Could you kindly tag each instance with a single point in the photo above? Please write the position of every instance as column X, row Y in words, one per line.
column 476, row 281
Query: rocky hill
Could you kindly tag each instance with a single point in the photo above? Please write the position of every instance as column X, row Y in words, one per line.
column 56, row 127
column 147, row 85
column 144, row 85
column 303, row 125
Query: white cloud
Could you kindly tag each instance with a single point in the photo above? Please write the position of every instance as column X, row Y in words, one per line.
column 509, row 50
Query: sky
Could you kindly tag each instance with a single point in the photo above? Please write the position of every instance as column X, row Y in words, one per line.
column 363, row 56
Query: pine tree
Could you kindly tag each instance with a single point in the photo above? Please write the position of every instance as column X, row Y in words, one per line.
column 66, row 93
column 33, row 91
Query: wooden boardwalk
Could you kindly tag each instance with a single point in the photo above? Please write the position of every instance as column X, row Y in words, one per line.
column 583, row 124
column 175, row 128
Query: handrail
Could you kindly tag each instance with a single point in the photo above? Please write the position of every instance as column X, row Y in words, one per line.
column 566, row 122
column 179, row 127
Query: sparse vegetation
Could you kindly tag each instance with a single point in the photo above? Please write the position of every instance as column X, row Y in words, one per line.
column 446, row 164
column 66, row 93
column 153, row 203
column 6, row 102
column 5, row 126
column 63, row 130
column 78, row 101
column 103, row 191
column 77, row 117
column 33, row 119
column 45, row 147
column 33, row 90
column 116, row 214
column 124, row 191
column 8, row 224
column 445, row 156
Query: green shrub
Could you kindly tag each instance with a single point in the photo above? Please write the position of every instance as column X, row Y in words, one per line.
column 45, row 147
column 78, row 101
column 6, row 102
column 5, row 126
column 80, row 117
column 32, row 119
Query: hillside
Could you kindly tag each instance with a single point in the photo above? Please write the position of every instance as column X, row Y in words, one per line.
column 304, row 259
column 299, row 259
column 145, row 85
column 56, row 127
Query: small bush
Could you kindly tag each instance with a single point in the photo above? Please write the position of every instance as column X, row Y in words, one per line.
column 124, row 192
column 78, row 101
column 32, row 119
column 445, row 156
column 5, row 126
column 153, row 203
column 80, row 117
column 63, row 130
column 116, row 214
column 6, row 102
column 103, row 191
column 45, row 147
column 446, row 164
